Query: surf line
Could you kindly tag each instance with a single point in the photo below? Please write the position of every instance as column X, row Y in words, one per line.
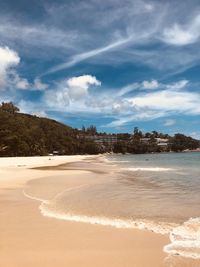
column 57, row 195
column 179, row 246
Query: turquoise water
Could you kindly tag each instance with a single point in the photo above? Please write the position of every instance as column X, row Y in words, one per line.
column 169, row 182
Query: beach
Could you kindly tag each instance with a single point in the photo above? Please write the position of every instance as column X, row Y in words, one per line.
column 32, row 236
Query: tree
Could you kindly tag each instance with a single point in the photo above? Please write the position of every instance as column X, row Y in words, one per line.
column 9, row 107
column 181, row 142
column 92, row 130
column 137, row 132
column 120, row 147
column 155, row 134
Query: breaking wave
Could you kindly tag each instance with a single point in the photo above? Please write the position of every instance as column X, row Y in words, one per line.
column 161, row 228
column 47, row 208
column 185, row 239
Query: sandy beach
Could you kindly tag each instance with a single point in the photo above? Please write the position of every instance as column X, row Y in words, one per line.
column 27, row 238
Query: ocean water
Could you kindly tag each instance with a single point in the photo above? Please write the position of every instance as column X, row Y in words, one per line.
column 155, row 192
column 167, row 193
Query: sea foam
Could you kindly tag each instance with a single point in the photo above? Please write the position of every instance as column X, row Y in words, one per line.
column 48, row 209
column 159, row 228
column 185, row 239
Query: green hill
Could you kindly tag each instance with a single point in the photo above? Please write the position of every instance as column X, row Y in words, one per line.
column 27, row 135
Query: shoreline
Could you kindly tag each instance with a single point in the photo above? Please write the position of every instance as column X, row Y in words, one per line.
column 36, row 240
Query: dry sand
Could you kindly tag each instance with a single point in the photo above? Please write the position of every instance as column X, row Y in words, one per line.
column 29, row 239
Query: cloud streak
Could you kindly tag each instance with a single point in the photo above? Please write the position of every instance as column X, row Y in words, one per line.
column 86, row 55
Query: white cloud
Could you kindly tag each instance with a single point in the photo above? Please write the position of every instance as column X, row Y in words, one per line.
column 178, row 36
column 8, row 59
column 74, row 95
column 149, row 106
column 183, row 34
column 38, row 85
column 153, row 84
column 82, row 81
column 169, row 122
column 176, row 101
column 9, row 78
column 22, row 84
column 73, row 91
column 77, row 87
column 177, row 85
column 119, row 106
column 16, row 82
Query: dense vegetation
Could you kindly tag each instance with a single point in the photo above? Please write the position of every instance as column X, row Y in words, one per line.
column 28, row 135
column 24, row 134
column 136, row 145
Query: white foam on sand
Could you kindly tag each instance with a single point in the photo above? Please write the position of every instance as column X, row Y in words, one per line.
column 47, row 208
column 117, row 223
column 185, row 239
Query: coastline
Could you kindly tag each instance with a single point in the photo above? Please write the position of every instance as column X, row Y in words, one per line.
column 30, row 239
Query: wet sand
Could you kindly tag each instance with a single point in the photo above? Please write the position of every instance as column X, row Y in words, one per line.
column 27, row 238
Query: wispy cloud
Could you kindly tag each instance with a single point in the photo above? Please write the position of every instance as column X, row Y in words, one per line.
column 146, row 115
column 178, row 85
column 86, row 55
column 36, row 35
column 181, row 35
column 169, row 122
column 124, row 29
column 133, row 54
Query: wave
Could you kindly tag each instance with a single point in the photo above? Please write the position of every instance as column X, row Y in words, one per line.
column 185, row 240
column 152, row 169
column 159, row 228
column 34, row 198
column 47, row 209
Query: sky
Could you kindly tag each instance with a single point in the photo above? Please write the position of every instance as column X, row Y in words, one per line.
column 114, row 64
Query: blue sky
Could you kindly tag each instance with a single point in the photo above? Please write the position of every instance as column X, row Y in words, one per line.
column 115, row 64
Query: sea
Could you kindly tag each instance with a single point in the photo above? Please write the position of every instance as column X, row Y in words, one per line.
column 151, row 192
